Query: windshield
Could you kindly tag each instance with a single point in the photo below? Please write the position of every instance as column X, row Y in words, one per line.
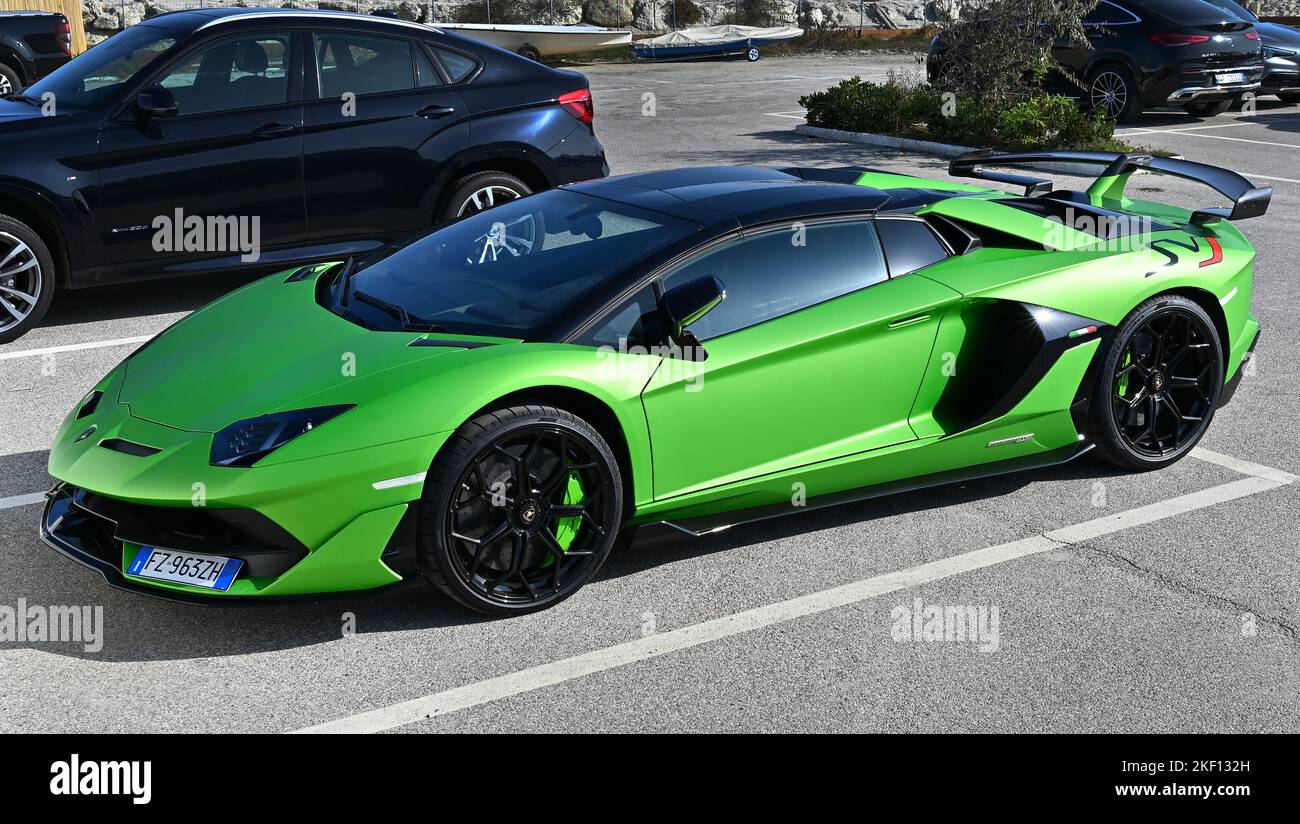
column 1234, row 8
column 98, row 75
column 506, row 271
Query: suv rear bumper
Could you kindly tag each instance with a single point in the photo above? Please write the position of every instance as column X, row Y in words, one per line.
column 1189, row 94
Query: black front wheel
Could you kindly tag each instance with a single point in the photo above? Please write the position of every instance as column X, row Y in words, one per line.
column 520, row 509
column 1159, row 384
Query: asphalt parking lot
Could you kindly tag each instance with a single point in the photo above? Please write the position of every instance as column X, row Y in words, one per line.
column 1157, row 602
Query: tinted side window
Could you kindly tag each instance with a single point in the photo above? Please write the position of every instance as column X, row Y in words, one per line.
column 621, row 329
column 458, row 66
column 428, row 74
column 780, row 271
column 1108, row 14
column 362, row 65
column 909, row 245
column 234, row 74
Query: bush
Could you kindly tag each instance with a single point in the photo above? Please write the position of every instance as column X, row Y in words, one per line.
column 905, row 109
column 999, row 50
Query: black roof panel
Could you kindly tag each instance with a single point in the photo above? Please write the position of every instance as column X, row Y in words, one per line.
column 748, row 194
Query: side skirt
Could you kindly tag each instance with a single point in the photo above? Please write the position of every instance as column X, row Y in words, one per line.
column 659, row 532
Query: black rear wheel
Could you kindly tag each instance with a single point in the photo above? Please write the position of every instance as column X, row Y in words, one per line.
column 1159, row 385
column 520, row 510
column 1208, row 108
column 1111, row 89
column 9, row 82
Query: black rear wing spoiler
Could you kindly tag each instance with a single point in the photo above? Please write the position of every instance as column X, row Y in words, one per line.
column 1248, row 200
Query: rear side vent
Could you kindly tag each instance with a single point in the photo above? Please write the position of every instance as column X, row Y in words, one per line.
column 139, row 450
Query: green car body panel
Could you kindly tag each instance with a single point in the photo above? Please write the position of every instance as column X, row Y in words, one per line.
column 795, row 404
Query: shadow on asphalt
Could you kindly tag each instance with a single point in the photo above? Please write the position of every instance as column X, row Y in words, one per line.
column 138, row 628
column 139, row 300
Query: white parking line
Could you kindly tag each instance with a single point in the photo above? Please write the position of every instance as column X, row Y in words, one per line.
column 1261, row 479
column 795, row 115
column 22, row 500
column 73, row 347
column 1186, row 133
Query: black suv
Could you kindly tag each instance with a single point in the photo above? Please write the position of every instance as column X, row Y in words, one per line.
column 32, row 44
column 203, row 141
column 1150, row 53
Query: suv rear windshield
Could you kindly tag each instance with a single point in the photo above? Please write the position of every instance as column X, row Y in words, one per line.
column 506, row 271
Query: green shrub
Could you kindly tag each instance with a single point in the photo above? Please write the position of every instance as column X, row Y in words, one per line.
column 907, row 109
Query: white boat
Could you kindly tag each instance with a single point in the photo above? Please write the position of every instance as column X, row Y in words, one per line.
column 703, row 41
column 536, row 41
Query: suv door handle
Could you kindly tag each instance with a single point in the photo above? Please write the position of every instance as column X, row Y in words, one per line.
column 431, row 112
column 273, row 130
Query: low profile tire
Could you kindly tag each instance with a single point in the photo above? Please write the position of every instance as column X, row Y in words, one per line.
column 1207, row 109
column 26, row 279
column 481, row 191
column 530, row 52
column 520, row 510
column 10, row 83
column 1112, row 90
column 1158, row 386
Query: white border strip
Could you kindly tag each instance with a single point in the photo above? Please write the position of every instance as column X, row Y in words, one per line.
column 1261, row 479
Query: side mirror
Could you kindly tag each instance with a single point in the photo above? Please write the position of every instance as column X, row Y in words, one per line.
column 155, row 103
column 685, row 304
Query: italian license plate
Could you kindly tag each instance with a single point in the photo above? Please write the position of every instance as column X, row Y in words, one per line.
column 193, row 568
column 1228, row 78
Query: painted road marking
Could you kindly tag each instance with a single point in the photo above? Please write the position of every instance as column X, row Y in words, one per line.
column 22, row 500
column 74, row 347
column 1259, row 479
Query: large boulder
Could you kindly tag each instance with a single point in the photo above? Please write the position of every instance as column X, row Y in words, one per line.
column 612, row 13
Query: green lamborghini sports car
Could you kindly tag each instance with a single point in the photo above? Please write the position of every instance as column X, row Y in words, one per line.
column 493, row 405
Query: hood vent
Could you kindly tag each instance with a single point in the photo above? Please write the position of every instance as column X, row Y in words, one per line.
column 139, row 450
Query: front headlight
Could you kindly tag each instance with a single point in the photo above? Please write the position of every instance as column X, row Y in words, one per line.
column 1270, row 51
column 247, row 442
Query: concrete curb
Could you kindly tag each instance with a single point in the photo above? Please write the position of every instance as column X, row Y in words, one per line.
column 941, row 149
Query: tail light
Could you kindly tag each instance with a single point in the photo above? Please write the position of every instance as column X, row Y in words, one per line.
column 579, row 104
column 1252, row 35
column 1165, row 38
column 63, row 36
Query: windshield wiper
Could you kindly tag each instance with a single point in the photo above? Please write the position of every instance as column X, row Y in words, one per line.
column 410, row 323
column 345, row 276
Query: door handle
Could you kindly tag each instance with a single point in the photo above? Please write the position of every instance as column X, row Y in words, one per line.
column 435, row 111
column 273, row 130
column 908, row 321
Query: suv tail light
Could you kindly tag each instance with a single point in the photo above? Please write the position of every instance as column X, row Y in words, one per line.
column 1165, row 38
column 579, row 104
column 1252, row 35
column 63, row 36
